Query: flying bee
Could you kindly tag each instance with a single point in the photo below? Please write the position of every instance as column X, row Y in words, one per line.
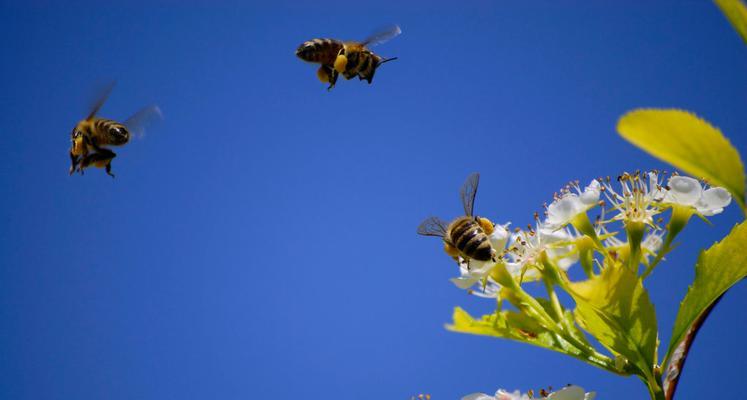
column 350, row 59
column 466, row 236
column 89, row 136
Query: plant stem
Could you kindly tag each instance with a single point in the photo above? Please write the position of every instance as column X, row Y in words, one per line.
column 655, row 390
column 677, row 361
column 556, row 307
column 677, row 221
column 582, row 223
column 635, row 231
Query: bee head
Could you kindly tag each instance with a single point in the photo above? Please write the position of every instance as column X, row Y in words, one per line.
column 76, row 138
column 341, row 61
column 75, row 134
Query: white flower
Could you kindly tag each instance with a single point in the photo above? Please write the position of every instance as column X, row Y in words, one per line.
column 515, row 395
column 567, row 393
column 527, row 246
column 571, row 393
column 490, row 290
column 713, row 201
column 559, row 247
column 652, row 243
column 568, row 205
column 637, row 200
column 683, row 190
column 499, row 395
column 478, row 396
column 499, row 237
column 687, row 191
column 475, row 274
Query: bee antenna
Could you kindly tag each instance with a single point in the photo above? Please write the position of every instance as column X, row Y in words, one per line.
column 387, row 60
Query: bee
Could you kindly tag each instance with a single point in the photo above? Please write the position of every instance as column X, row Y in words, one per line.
column 350, row 59
column 89, row 136
column 467, row 236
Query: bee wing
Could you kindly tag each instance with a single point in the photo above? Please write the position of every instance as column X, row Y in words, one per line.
column 468, row 192
column 99, row 99
column 433, row 226
column 137, row 123
column 382, row 35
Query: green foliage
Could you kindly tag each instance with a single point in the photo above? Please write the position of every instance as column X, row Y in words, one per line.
column 522, row 328
column 688, row 143
column 615, row 308
column 717, row 269
column 736, row 12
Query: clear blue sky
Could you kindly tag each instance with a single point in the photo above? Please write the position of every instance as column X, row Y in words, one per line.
column 260, row 243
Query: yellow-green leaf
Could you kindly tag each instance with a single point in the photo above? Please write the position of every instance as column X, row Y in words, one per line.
column 688, row 143
column 615, row 308
column 736, row 12
column 522, row 328
column 510, row 325
column 717, row 269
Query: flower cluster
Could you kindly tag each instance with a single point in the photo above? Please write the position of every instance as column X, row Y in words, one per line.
column 633, row 204
column 567, row 393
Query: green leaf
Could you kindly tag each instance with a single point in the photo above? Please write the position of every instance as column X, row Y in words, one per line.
column 511, row 325
column 688, row 143
column 736, row 13
column 615, row 308
column 717, row 269
column 522, row 328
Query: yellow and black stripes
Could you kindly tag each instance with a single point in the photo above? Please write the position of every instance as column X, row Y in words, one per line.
column 349, row 59
column 88, row 139
column 322, row 51
column 109, row 132
column 359, row 61
column 467, row 235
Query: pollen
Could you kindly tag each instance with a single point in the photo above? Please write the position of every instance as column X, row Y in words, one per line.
column 322, row 74
column 340, row 63
column 487, row 225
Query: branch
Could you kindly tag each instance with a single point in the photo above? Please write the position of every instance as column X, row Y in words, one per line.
column 679, row 355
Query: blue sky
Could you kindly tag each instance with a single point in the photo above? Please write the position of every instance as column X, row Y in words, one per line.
column 260, row 242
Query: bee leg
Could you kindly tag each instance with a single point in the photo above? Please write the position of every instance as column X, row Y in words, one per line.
column 100, row 159
column 333, row 74
column 105, row 159
column 109, row 169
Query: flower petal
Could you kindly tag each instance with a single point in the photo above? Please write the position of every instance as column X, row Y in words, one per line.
column 568, row 393
column 464, row 282
column 590, row 196
column 504, row 395
column 499, row 237
column 478, row 396
column 684, row 190
column 716, row 197
column 563, row 210
column 652, row 242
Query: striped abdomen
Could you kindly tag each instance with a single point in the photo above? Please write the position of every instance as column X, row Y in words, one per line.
column 468, row 237
column 322, row 51
column 108, row 132
column 361, row 63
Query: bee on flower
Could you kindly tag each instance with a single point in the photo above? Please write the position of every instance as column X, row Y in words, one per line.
column 567, row 235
